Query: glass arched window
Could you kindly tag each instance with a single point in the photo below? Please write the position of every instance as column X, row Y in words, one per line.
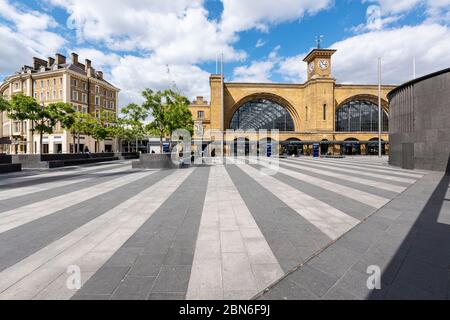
column 262, row 114
column 360, row 115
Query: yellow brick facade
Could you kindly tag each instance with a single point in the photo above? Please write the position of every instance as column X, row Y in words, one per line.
column 312, row 105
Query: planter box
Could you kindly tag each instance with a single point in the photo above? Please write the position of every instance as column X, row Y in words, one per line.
column 155, row 161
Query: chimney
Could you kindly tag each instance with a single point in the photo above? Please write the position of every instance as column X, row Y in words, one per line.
column 37, row 63
column 88, row 64
column 100, row 74
column 74, row 58
column 91, row 72
column 60, row 59
column 50, row 61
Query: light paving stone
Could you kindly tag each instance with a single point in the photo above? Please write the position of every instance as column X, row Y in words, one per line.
column 237, row 272
column 231, row 241
column 329, row 220
column 358, row 168
column 265, row 274
column 367, row 173
column 236, row 248
column 369, row 182
column 62, row 252
column 353, row 193
column 14, row 218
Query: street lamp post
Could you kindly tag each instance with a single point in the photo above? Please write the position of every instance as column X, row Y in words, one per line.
column 379, row 107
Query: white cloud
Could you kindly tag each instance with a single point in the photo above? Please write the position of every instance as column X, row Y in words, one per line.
column 395, row 6
column 179, row 33
column 248, row 14
column 293, row 69
column 132, row 74
column 375, row 20
column 175, row 31
column 260, row 43
column 356, row 58
column 28, row 34
column 257, row 71
column 99, row 59
column 435, row 10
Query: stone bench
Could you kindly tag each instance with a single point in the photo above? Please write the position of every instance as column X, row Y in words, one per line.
column 156, row 161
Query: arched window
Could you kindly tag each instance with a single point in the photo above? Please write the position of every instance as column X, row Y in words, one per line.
column 360, row 115
column 262, row 114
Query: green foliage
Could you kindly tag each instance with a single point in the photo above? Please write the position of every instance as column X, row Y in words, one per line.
column 169, row 110
column 134, row 117
column 4, row 104
column 23, row 108
column 63, row 113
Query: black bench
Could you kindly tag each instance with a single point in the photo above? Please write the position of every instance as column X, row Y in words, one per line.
column 81, row 161
column 7, row 166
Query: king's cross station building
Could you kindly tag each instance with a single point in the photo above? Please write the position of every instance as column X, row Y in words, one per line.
column 341, row 118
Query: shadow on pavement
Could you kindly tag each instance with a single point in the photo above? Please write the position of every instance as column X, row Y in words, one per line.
column 425, row 253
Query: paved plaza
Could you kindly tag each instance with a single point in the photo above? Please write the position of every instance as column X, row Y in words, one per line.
column 309, row 231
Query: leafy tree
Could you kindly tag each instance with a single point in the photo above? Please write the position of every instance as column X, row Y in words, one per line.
column 4, row 104
column 76, row 128
column 134, row 116
column 22, row 108
column 170, row 111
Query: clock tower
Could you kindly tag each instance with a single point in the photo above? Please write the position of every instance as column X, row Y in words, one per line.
column 319, row 63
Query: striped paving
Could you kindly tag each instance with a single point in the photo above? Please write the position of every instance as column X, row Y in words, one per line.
column 217, row 232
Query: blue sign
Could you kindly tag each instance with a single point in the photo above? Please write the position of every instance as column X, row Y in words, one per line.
column 269, row 150
column 316, row 150
column 166, row 147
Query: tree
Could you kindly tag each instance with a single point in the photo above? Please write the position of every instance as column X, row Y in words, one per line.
column 4, row 104
column 22, row 108
column 170, row 111
column 134, row 116
column 75, row 129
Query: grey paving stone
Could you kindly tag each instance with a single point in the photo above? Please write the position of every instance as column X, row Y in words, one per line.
column 424, row 276
column 180, row 256
column 167, row 296
column 277, row 221
column 335, row 260
column 355, row 282
column 33, row 236
column 133, row 288
column 369, row 189
column 124, row 258
column 331, row 168
column 338, row 293
column 404, row 291
column 172, row 279
column 104, row 281
column 147, row 265
column 288, row 290
column 351, row 207
column 314, row 280
column 167, row 239
column 388, row 264
column 91, row 297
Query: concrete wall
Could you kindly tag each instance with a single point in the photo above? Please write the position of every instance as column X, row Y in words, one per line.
column 420, row 123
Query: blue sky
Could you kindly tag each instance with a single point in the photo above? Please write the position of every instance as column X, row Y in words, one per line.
column 134, row 41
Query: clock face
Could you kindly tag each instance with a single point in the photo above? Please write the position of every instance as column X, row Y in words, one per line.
column 311, row 67
column 323, row 64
